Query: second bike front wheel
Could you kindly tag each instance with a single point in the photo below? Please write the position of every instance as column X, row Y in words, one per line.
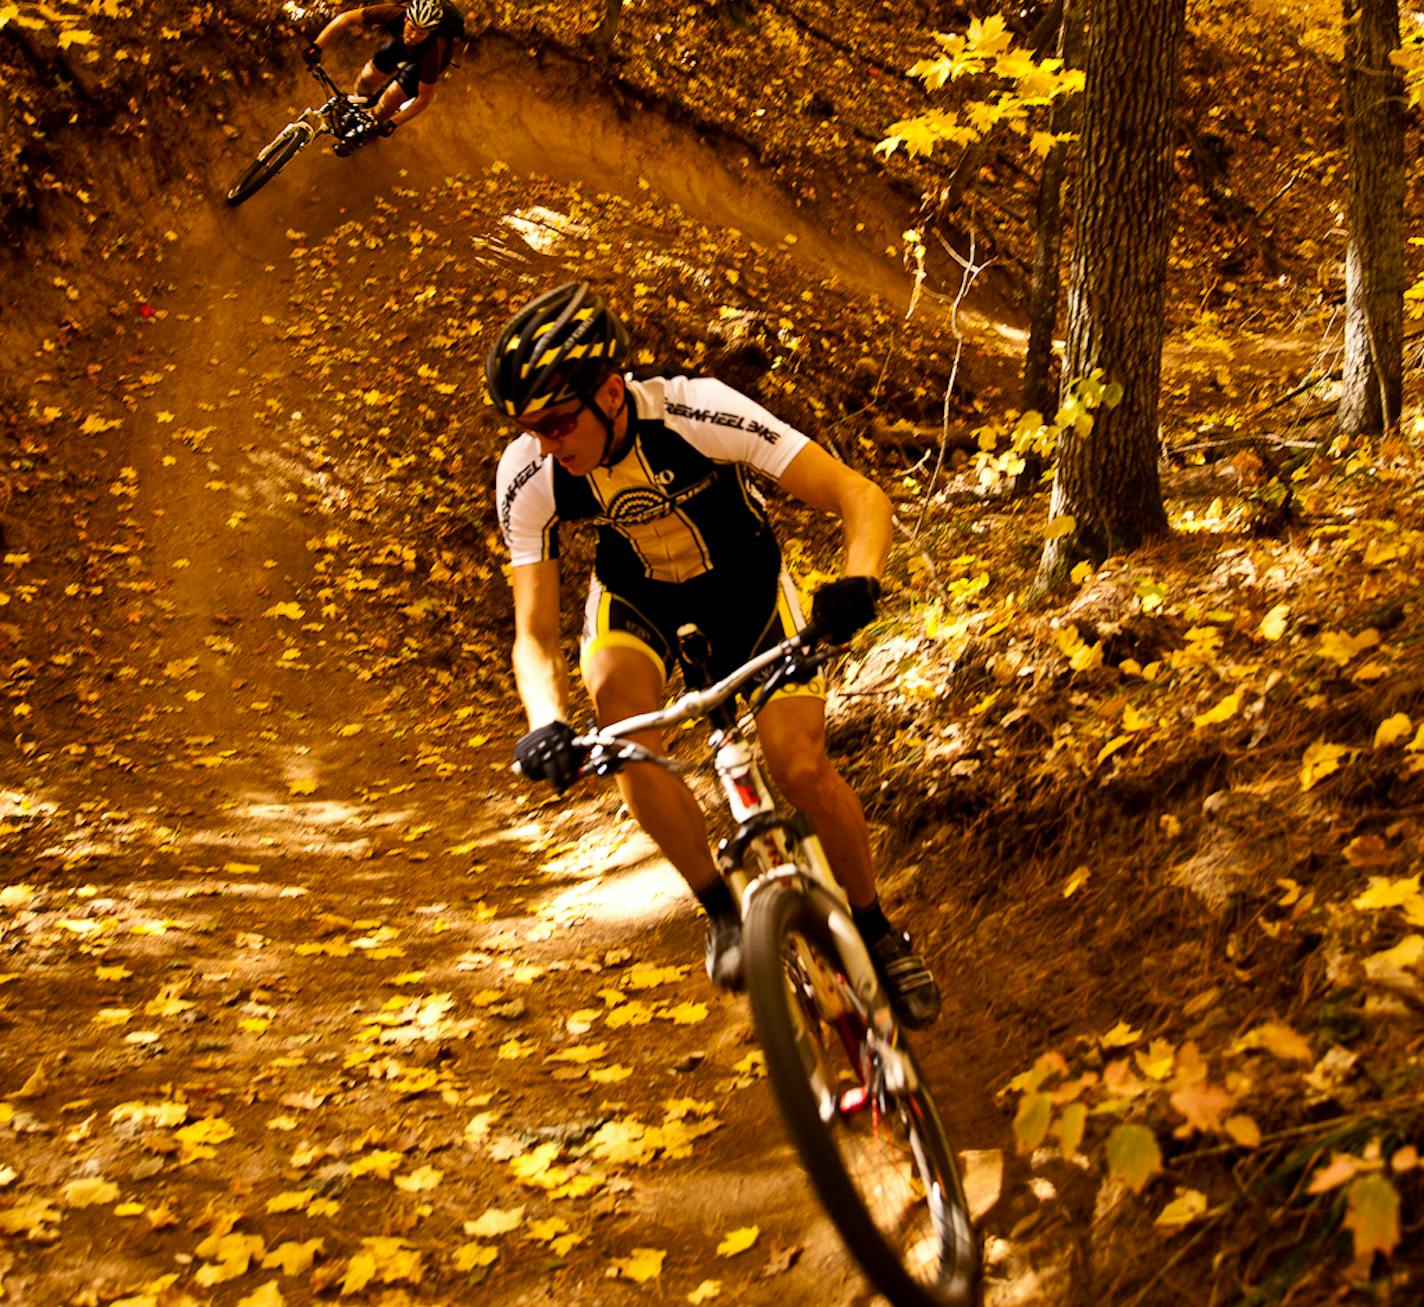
column 857, row 1109
column 285, row 147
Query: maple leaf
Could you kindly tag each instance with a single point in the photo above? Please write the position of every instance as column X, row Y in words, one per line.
column 1069, row 1127
column 380, row 1163
column 294, row 1258
column 1243, row 1129
column 579, row 1053
column 471, row 1256
column 1202, row 1104
column 383, row 1260
column 230, row 1254
column 1133, row 1154
column 1223, row 711
column 419, row 1180
column 1340, row 647
column 546, row 1230
column 90, row 1192
column 1121, row 1035
column 1279, row 1040
column 643, row 1265
column 738, row 1241
column 623, row 1142
column 495, row 1221
column 1392, row 730
column 629, row 1014
column 684, row 1014
column 31, row 1217
column 1031, row 1121
column 1273, row 624
column 1386, row 893
column 1183, row 1209
column 1372, row 1215
column 1320, row 760
column 1402, row 957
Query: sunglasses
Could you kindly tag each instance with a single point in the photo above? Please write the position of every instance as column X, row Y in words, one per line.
column 554, row 426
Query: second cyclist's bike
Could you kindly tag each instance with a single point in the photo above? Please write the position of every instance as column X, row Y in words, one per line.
column 852, row 1094
column 345, row 117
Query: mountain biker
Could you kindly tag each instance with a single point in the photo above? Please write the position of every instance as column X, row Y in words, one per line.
column 421, row 36
column 661, row 467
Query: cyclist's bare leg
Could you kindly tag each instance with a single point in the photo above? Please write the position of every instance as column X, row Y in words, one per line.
column 391, row 102
column 793, row 738
column 624, row 682
column 370, row 80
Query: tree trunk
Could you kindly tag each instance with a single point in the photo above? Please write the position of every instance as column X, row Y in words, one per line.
column 1048, row 249
column 1374, row 256
column 607, row 31
column 1106, row 480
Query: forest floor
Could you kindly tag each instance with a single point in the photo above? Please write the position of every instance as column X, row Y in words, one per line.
column 305, row 996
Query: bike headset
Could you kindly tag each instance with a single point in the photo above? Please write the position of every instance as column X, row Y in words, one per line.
column 561, row 346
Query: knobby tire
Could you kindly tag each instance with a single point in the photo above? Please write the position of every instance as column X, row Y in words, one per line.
column 885, row 1173
column 285, row 147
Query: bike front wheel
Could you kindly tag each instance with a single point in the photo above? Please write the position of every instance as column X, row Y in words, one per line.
column 857, row 1108
column 285, row 147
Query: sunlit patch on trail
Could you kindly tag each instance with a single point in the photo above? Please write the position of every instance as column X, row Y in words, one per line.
column 545, row 231
column 630, row 897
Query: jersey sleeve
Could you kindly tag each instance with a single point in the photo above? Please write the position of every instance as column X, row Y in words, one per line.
column 728, row 427
column 379, row 15
column 524, row 500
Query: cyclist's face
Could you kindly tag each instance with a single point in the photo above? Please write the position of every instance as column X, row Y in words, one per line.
column 413, row 35
column 570, row 433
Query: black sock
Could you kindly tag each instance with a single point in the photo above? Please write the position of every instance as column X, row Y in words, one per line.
column 717, row 900
column 871, row 921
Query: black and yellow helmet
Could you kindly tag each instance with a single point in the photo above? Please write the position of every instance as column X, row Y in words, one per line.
column 557, row 347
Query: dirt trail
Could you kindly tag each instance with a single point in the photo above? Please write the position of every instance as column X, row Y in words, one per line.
column 312, row 914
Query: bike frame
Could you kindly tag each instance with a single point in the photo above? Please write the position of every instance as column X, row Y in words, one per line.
column 779, row 848
column 339, row 115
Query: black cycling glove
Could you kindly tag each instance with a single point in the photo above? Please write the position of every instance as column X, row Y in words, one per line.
column 312, row 54
column 385, row 127
column 547, row 753
column 840, row 608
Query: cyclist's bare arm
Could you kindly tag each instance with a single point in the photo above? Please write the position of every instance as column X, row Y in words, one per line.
column 817, row 479
column 540, row 672
column 338, row 25
column 422, row 100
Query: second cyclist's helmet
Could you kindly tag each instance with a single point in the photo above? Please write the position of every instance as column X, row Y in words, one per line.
column 425, row 13
column 559, row 346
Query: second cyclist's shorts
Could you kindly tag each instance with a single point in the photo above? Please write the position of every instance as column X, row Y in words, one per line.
column 738, row 625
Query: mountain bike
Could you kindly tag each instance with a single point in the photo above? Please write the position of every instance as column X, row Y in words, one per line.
column 851, row 1092
column 346, row 117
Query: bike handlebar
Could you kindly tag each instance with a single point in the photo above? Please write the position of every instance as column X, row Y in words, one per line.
column 799, row 655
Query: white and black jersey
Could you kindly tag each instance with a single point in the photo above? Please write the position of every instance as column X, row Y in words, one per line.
column 679, row 504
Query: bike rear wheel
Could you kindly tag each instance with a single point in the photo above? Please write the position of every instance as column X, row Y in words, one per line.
column 857, row 1108
column 285, row 147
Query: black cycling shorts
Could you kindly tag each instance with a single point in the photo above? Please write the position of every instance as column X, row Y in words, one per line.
column 393, row 59
column 738, row 626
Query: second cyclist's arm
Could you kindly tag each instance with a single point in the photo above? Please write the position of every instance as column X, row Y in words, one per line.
column 866, row 514
column 540, row 673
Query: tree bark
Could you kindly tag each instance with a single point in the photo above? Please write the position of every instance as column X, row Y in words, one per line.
column 1374, row 257
column 1048, row 247
column 607, row 31
column 1107, row 480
